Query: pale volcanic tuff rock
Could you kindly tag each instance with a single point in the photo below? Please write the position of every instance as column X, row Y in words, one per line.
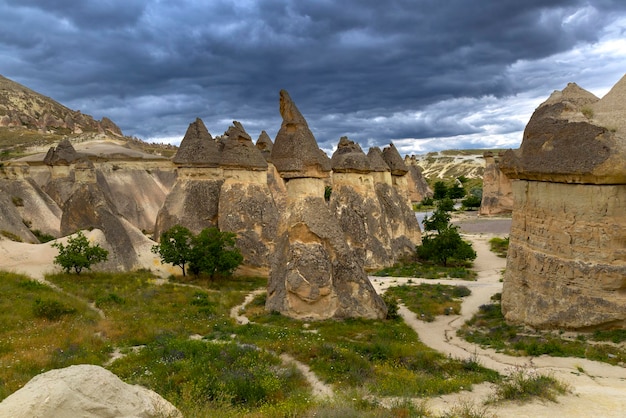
column 355, row 205
column 314, row 273
column 84, row 391
column 32, row 204
column 394, row 199
column 497, row 189
column 246, row 206
column 295, row 152
column 566, row 265
column 418, row 187
column 89, row 208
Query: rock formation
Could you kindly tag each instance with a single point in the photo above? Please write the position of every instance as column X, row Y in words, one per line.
column 193, row 201
column 418, row 187
column 314, row 273
column 391, row 189
column 31, row 207
column 246, row 206
column 264, row 144
column 355, row 205
column 566, row 265
column 84, row 391
column 21, row 107
column 497, row 190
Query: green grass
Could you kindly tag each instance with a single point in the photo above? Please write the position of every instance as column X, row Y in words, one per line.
column 523, row 385
column 430, row 300
column 488, row 329
column 42, row 330
column 233, row 370
column 426, row 271
column 384, row 358
column 500, row 246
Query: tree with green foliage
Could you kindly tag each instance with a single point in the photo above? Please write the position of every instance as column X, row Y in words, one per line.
column 440, row 190
column 442, row 241
column 211, row 251
column 471, row 201
column 456, row 191
column 175, row 247
column 79, row 254
column 214, row 253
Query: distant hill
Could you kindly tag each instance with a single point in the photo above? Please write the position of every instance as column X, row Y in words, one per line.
column 451, row 163
column 30, row 122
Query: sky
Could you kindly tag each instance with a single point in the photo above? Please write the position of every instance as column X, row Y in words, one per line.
column 427, row 75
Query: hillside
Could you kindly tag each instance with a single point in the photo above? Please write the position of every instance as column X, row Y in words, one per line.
column 451, row 163
column 31, row 122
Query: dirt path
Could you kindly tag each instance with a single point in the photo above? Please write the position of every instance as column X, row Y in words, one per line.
column 599, row 390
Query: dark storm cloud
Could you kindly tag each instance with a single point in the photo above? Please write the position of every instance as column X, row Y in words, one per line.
column 378, row 71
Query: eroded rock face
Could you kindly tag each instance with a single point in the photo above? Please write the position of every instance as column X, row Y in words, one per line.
column 246, row 206
column 497, row 190
column 314, row 273
column 355, row 205
column 566, row 266
column 84, row 391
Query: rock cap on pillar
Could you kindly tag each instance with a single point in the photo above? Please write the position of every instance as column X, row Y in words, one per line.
column 394, row 160
column 238, row 151
column 198, row 148
column 265, row 145
column 349, row 158
column 377, row 162
column 296, row 153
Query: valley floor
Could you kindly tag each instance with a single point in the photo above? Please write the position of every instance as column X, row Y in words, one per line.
column 597, row 389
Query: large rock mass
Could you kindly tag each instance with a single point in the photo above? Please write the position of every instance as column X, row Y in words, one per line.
column 392, row 191
column 193, row 201
column 566, row 266
column 21, row 107
column 354, row 203
column 246, row 206
column 497, row 190
column 314, row 273
column 84, row 391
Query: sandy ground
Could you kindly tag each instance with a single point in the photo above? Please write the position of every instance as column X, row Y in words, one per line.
column 598, row 389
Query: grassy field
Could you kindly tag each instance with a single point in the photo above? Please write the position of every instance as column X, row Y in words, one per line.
column 488, row 329
column 226, row 369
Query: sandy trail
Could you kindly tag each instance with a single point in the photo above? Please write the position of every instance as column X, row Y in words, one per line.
column 598, row 391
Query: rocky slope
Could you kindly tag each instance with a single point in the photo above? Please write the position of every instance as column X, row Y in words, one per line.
column 450, row 163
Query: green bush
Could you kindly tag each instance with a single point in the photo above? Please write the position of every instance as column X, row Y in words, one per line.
column 50, row 309
column 442, row 242
column 471, row 202
column 211, row 251
column 392, row 306
column 79, row 254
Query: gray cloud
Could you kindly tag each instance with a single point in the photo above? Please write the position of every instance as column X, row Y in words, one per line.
column 377, row 71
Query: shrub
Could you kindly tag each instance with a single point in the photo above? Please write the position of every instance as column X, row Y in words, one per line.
column 392, row 306
column 50, row 309
column 10, row 235
column 500, row 246
column 440, row 190
column 523, row 385
column 211, row 251
column 442, row 241
column 42, row 236
column 17, row 201
column 79, row 254
column 471, row 202
column 175, row 247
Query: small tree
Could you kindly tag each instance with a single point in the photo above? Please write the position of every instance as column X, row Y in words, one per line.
column 211, row 251
column 456, row 192
column 175, row 247
column 79, row 254
column 442, row 241
column 440, row 190
column 214, row 253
